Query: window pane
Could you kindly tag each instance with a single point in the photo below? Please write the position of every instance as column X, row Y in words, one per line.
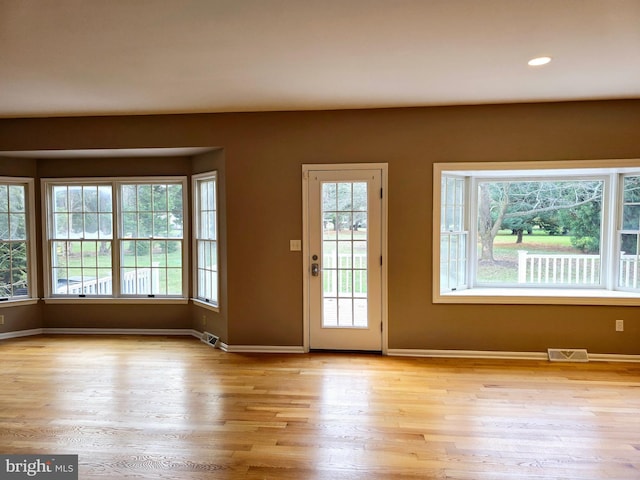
column 16, row 198
column 345, row 201
column 629, row 244
column 631, row 217
column 13, row 269
column 90, row 198
column 450, row 191
column 174, row 281
column 549, row 232
column 60, row 199
column 160, row 225
column 130, row 225
column 145, row 225
column 105, row 201
column 18, row 226
column 90, row 225
column 159, row 254
column 61, row 225
column 329, row 197
column 4, row 198
column 81, row 268
column 211, row 224
column 160, row 198
column 449, row 225
column 203, row 224
column 144, row 198
column 75, row 199
column 631, row 189
column 175, row 200
column 345, row 221
column 629, row 262
column 4, row 226
column 329, row 231
column 211, row 196
column 105, row 225
column 128, row 253
column 360, row 196
column 129, row 198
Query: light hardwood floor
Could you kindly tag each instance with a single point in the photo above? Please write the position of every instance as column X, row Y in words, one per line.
column 174, row 408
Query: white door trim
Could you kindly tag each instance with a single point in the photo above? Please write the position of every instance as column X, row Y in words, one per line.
column 384, row 169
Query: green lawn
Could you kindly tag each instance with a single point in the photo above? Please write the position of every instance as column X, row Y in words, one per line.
column 505, row 252
column 99, row 265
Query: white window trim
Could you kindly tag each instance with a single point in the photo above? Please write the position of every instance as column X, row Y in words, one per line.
column 562, row 296
column 194, row 237
column 32, row 266
column 115, row 182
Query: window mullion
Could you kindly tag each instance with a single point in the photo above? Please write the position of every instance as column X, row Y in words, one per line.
column 471, row 201
column 116, row 221
column 609, row 244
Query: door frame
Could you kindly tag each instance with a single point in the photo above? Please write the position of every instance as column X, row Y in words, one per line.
column 306, row 168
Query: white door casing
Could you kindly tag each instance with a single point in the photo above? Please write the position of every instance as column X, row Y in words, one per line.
column 344, row 238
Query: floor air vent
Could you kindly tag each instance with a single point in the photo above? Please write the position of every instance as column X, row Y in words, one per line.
column 568, row 355
column 210, row 339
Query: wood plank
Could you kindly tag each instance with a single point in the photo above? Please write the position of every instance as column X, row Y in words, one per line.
column 174, row 408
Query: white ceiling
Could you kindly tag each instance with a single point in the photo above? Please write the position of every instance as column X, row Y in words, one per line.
column 105, row 57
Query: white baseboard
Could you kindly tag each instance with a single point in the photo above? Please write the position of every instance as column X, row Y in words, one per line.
column 394, row 352
column 613, row 357
column 101, row 331
column 21, row 333
column 410, row 352
column 500, row 355
column 122, row 331
column 262, row 349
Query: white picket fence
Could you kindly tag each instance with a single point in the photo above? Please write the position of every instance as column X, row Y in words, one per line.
column 347, row 274
column 538, row 268
column 138, row 281
column 629, row 271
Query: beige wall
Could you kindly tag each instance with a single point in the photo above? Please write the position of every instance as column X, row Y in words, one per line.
column 263, row 154
column 204, row 319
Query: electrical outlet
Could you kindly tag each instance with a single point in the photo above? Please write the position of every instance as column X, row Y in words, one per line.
column 1, row 319
column 619, row 325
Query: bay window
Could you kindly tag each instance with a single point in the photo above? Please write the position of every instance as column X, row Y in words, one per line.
column 515, row 232
column 115, row 238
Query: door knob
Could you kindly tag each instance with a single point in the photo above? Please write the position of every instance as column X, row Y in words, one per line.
column 315, row 269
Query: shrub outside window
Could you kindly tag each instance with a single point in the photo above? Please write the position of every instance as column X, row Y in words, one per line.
column 16, row 231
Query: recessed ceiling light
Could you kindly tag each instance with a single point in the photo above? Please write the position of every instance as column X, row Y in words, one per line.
column 536, row 62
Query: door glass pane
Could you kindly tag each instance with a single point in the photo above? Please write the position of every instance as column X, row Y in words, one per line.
column 344, row 255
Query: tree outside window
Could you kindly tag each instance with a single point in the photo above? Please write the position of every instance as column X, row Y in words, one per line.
column 14, row 272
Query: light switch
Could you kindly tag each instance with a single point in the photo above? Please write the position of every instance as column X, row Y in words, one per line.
column 295, row 245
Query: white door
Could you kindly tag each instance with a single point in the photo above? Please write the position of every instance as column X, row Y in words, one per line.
column 345, row 256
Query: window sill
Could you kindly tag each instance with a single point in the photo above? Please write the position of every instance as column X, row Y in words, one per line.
column 539, row 296
column 207, row 305
column 95, row 300
column 19, row 303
